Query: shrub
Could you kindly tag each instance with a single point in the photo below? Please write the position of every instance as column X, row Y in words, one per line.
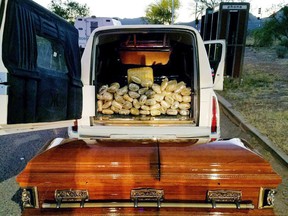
column 263, row 38
column 284, row 42
column 274, row 28
column 281, row 51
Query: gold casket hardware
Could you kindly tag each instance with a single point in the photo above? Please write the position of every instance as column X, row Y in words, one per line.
column 71, row 195
column 123, row 204
column 147, row 195
column 224, row 196
column 29, row 197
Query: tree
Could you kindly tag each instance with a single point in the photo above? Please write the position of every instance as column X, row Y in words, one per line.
column 161, row 11
column 69, row 9
column 275, row 28
column 209, row 3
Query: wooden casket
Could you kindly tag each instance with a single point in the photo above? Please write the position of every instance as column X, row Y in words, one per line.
column 148, row 177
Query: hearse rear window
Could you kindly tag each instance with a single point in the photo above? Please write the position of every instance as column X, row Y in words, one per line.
column 145, row 76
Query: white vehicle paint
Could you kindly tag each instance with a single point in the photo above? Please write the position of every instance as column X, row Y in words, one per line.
column 62, row 96
column 205, row 104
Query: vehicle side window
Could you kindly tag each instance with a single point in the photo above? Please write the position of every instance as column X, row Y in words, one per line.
column 50, row 55
column 214, row 52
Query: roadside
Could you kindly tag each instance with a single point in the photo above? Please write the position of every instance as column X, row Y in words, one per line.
column 260, row 98
column 233, row 124
column 261, row 95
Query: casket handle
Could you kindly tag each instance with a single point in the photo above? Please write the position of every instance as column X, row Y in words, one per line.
column 224, row 196
column 147, row 195
column 71, row 195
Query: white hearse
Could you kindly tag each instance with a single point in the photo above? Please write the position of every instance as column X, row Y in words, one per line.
column 135, row 81
column 148, row 81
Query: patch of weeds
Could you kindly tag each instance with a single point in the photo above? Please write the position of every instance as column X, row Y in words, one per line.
column 271, row 123
column 252, row 84
column 231, row 84
column 258, row 79
column 281, row 51
column 250, row 80
column 261, row 97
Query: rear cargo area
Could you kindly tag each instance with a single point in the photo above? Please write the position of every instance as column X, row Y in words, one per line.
column 145, row 78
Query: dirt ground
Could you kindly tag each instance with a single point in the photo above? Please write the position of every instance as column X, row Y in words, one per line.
column 266, row 108
column 228, row 129
column 267, row 59
column 261, row 95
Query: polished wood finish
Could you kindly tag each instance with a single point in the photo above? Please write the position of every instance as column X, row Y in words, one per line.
column 109, row 170
column 147, row 212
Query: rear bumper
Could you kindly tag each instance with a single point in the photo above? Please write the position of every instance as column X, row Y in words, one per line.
column 144, row 132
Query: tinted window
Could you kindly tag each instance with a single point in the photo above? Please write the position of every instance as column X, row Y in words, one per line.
column 214, row 52
column 50, row 55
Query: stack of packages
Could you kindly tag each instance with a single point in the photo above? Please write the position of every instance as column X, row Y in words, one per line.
column 144, row 97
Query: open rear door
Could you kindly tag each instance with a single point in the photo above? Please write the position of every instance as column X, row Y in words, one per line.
column 216, row 51
column 40, row 65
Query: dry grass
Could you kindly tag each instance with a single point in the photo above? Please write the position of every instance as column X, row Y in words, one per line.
column 261, row 95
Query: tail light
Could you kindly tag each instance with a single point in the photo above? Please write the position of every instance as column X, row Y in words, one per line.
column 214, row 115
